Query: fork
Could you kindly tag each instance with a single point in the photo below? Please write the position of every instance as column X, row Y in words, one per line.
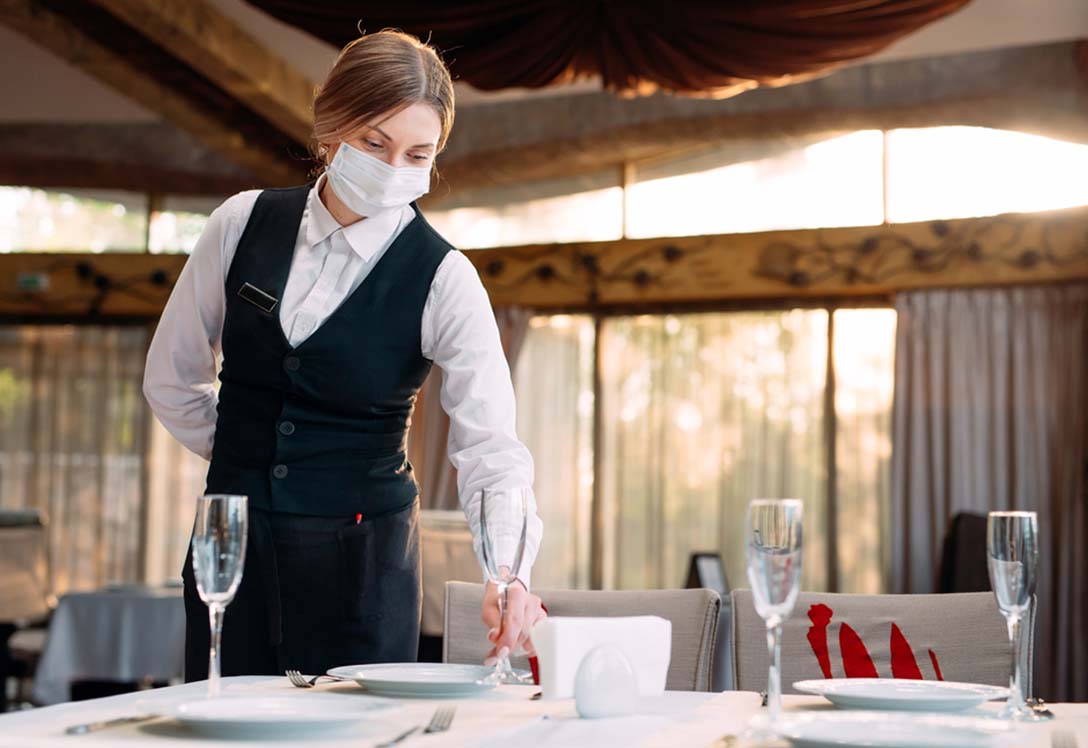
column 440, row 722
column 298, row 680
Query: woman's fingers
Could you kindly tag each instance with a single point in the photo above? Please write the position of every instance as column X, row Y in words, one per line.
column 524, row 610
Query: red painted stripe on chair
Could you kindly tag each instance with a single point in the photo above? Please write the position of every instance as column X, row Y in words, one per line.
column 820, row 615
column 856, row 661
column 903, row 663
column 936, row 665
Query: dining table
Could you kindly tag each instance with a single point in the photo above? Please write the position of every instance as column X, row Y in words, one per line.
column 121, row 633
column 506, row 717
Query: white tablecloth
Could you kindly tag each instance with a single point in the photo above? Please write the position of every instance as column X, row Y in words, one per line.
column 123, row 634
column 505, row 718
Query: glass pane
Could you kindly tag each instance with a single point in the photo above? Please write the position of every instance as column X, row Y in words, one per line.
column 761, row 185
column 864, row 378
column 554, row 380
column 560, row 210
column 178, row 222
column 33, row 220
column 958, row 172
column 702, row 413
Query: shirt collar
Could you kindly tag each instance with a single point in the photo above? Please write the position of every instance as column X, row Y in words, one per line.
column 365, row 237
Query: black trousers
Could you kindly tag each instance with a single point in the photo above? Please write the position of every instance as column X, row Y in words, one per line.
column 316, row 593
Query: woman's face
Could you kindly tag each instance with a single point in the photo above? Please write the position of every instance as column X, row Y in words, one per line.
column 407, row 138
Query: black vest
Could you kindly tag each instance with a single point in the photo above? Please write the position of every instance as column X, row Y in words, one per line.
column 321, row 428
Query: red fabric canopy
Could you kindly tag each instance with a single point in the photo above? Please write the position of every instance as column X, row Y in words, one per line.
column 698, row 47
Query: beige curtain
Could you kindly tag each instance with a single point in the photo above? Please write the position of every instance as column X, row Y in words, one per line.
column 702, row 413
column 430, row 425
column 991, row 412
column 72, row 443
column 554, row 382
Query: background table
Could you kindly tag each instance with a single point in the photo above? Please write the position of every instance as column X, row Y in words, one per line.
column 505, row 718
column 121, row 634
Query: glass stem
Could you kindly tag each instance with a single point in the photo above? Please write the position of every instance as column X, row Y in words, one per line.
column 215, row 618
column 774, row 672
column 1016, row 695
column 503, row 664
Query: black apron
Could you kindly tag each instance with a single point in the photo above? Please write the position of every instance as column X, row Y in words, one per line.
column 315, row 435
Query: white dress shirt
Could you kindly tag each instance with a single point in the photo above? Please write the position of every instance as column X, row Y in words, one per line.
column 330, row 261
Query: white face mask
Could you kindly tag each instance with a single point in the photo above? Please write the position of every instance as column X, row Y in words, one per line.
column 368, row 186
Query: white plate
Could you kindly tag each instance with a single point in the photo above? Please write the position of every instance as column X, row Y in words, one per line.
column 278, row 716
column 418, row 678
column 901, row 694
column 892, row 730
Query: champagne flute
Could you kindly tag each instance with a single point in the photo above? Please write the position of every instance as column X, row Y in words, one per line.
column 773, row 550
column 219, row 552
column 504, row 516
column 1012, row 550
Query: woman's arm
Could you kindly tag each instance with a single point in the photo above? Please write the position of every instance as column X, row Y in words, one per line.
column 460, row 335
column 179, row 376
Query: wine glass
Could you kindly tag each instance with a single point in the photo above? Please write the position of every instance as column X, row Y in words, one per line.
column 504, row 516
column 1012, row 550
column 773, row 550
column 219, row 553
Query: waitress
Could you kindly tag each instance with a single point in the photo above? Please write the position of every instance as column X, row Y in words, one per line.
column 329, row 302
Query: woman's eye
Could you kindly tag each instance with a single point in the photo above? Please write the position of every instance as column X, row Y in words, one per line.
column 418, row 157
column 373, row 144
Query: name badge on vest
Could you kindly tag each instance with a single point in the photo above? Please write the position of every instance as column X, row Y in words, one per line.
column 258, row 298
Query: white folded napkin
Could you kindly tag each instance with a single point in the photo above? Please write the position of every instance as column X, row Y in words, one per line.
column 562, row 642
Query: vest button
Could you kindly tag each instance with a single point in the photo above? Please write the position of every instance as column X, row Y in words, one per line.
column 280, row 471
column 292, row 363
column 287, row 428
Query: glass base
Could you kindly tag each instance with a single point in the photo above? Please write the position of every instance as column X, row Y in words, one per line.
column 509, row 676
column 1022, row 713
column 760, row 730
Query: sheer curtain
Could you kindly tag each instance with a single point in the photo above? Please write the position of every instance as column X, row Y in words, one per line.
column 991, row 412
column 72, row 442
column 702, row 413
column 554, row 383
column 431, row 427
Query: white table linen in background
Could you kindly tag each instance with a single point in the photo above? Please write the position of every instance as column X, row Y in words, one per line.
column 123, row 634
column 669, row 720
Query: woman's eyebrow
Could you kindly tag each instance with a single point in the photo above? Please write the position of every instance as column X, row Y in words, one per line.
column 385, row 135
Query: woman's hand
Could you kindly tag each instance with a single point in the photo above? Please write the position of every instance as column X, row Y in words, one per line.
column 524, row 611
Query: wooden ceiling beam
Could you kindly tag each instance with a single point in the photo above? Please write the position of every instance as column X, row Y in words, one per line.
column 218, row 47
column 66, row 39
column 641, row 275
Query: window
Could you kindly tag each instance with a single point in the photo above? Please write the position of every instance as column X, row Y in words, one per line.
column 958, row 172
column 72, row 220
column 177, row 222
column 560, row 210
column 760, row 185
column 701, row 413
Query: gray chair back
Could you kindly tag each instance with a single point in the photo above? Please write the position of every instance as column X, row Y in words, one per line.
column 693, row 613
column 962, row 637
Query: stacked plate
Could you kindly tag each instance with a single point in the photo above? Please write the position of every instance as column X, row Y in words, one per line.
column 422, row 679
column 257, row 717
column 889, row 716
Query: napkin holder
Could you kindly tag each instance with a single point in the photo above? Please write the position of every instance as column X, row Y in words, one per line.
column 562, row 642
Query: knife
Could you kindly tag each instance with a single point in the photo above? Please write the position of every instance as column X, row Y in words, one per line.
column 87, row 727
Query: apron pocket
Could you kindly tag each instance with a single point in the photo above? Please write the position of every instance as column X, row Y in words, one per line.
column 380, row 570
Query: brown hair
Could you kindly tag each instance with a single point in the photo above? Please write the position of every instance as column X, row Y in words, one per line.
column 380, row 74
